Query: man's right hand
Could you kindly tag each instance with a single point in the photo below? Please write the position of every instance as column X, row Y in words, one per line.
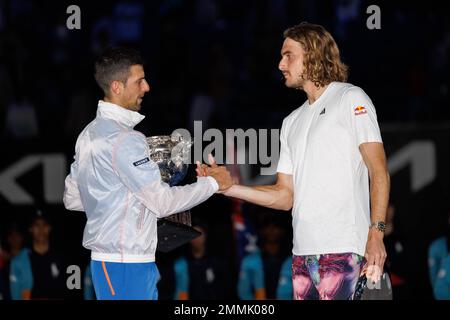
column 220, row 174
column 279, row 196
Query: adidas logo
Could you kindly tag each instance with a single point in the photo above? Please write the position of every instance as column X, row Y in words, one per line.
column 322, row 112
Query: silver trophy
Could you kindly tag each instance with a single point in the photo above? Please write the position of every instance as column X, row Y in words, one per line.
column 171, row 154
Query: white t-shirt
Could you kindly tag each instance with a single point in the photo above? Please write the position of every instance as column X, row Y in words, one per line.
column 320, row 149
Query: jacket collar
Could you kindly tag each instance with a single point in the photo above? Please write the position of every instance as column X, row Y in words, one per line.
column 118, row 113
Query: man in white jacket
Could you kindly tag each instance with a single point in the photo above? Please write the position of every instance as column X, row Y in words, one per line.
column 114, row 181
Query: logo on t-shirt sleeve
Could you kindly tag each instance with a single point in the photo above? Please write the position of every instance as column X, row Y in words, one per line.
column 142, row 161
column 359, row 110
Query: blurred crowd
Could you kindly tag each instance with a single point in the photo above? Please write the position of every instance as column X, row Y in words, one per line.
column 254, row 263
column 215, row 62
column 211, row 59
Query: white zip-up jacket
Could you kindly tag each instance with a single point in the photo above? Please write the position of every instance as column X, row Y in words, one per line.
column 119, row 187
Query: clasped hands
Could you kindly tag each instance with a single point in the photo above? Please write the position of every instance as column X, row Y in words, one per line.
column 219, row 173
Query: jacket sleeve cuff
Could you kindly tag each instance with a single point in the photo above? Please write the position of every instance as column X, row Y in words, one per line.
column 213, row 183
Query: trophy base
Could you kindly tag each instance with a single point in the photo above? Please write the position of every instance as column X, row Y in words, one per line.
column 172, row 235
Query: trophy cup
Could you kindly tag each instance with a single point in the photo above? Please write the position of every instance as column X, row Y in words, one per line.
column 171, row 153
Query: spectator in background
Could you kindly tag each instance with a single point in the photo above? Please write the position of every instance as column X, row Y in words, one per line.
column 346, row 12
column 123, row 27
column 128, row 17
column 212, row 100
column 37, row 272
column 102, row 35
column 81, row 109
column 396, row 263
column 6, row 83
column 88, row 288
column 267, row 274
column 21, row 119
column 200, row 275
column 11, row 246
column 2, row 278
column 166, row 282
column 439, row 265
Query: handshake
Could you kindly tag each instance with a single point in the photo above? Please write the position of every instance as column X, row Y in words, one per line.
column 220, row 174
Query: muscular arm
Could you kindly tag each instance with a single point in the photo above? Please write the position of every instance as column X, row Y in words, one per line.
column 278, row 196
column 375, row 160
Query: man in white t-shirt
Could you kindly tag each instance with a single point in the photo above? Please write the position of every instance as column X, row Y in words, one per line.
column 330, row 147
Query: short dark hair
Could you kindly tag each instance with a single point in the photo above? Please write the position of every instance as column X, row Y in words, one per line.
column 39, row 215
column 114, row 65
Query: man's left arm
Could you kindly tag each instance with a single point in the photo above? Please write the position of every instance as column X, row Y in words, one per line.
column 375, row 159
column 72, row 199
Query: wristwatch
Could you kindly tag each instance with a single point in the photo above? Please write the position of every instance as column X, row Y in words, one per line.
column 379, row 225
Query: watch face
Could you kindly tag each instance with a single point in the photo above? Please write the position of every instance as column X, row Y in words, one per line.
column 379, row 225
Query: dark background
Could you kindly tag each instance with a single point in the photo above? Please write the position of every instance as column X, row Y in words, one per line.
column 226, row 52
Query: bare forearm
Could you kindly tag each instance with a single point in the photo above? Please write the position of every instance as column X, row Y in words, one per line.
column 272, row 196
column 379, row 196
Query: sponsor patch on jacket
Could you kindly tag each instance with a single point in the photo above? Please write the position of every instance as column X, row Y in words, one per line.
column 360, row 110
column 142, row 161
